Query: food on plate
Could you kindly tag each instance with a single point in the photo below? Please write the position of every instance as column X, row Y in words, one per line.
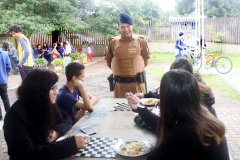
column 149, row 101
column 134, row 148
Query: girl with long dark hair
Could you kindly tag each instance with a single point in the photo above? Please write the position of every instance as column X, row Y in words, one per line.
column 186, row 130
column 33, row 123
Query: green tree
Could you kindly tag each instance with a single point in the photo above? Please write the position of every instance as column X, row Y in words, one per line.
column 105, row 17
column 218, row 8
column 39, row 16
column 185, row 6
column 222, row 8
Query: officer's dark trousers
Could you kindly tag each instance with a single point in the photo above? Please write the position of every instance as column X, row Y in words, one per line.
column 4, row 96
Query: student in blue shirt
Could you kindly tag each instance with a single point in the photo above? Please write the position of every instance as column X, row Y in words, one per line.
column 68, row 97
column 179, row 45
column 39, row 51
column 61, row 50
column 46, row 53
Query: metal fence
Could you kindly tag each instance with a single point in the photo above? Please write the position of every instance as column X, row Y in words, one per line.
column 161, row 31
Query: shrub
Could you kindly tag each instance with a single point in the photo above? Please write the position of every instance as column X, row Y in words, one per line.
column 58, row 62
column 75, row 56
column 40, row 63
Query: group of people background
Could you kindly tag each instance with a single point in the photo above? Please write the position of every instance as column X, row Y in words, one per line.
column 59, row 50
column 186, row 128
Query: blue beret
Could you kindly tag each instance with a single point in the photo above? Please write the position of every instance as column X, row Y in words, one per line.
column 125, row 18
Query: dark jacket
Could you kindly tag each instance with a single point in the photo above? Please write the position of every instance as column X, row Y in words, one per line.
column 148, row 120
column 22, row 137
column 12, row 52
column 182, row 143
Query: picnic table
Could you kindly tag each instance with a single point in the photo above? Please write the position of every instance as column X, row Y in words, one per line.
column 111, row 125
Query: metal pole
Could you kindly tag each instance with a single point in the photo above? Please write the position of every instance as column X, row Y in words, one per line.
column 203, row 33
column 196, row 18
column 197, row 26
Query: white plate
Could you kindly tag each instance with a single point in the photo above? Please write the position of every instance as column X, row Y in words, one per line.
column 145, row 99
column 121, row 143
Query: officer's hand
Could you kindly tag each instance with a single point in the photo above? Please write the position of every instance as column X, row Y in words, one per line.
column 132, row 103
column 140, row 95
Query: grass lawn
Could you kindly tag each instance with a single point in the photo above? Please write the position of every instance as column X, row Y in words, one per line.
column 170, row 57
column 234, row 58
column 158, row 72
column 216, row 81
column 164, row 56
column 212, row 80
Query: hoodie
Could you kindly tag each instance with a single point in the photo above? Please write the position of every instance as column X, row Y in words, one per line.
column 12, row 52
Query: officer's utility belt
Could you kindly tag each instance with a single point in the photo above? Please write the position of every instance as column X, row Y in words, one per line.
column 141, row 78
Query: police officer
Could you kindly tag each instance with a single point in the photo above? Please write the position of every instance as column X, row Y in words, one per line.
column 127, row 56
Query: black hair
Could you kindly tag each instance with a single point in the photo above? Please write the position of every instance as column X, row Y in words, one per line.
column 182, row 63
column 73, row 69
column 46, row 44
column 14, row 28
column 181, row 33
column 34, row 92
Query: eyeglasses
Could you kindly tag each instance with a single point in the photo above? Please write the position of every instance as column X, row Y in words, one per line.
column 54, row 89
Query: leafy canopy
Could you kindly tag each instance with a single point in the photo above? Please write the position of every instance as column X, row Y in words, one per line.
column 39, row 16
column 45, row 16
column 218, row 8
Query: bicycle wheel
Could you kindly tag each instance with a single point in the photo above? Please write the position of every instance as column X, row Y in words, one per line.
column 197, row 63
column 223, row 65
column 184, row 54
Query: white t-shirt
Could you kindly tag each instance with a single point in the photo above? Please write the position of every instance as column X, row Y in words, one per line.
column 68, row 49
column 89, row 50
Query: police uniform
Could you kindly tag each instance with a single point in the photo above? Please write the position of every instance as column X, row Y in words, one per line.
column 127, row 60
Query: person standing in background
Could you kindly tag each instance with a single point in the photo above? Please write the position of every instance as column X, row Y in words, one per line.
column 46, row 54
column 39, row 51
column 5, row 68
column 34, row 51
column 26, row 61
column 68, row 49
column 61, row 50
column 179, row 45
column 13, row 57
column 89, row 53
column 55, row 53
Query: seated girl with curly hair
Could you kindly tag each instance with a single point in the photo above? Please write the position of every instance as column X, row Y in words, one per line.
column 33, row 123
